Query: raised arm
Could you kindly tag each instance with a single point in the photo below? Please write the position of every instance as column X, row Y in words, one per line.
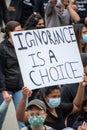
column 69, row 5
column 21, row 112
column 80, row 95
column 49, row 8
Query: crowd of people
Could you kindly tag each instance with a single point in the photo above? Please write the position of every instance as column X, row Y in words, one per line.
column 48, row 108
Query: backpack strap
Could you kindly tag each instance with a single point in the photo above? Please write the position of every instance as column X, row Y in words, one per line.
column 48, row 128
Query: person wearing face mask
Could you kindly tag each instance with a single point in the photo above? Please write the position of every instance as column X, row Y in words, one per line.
column 36, row 113
column 35, row 21
column 56, row 112
column 84, row 39
column 81, row 37
column 60, row 12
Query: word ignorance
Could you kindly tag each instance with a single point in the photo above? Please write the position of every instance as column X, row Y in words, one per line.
column 35, row 38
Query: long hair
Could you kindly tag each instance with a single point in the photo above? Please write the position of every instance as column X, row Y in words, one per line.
column 78, row 33
column 10, row 26
column 43, row 92
column 32, row 21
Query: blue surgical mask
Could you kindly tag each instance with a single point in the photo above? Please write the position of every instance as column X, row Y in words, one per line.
column 84, row 38
column 36, row 121
column 54, row 102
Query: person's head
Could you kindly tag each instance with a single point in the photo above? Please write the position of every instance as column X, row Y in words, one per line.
column 51, row 96
column 65, row 2
column 81, row 36
column 35, row 21
column 36, row 113
column 11, row 26
column 59, row 3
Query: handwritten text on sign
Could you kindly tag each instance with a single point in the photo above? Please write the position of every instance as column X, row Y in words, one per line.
column 48, row 56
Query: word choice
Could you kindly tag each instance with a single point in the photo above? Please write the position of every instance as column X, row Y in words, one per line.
column 69, row 70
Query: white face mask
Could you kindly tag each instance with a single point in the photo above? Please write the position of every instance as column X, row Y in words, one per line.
column 54, row 102
column 59, row 3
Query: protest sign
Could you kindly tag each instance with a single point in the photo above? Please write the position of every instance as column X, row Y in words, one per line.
column 48, row 56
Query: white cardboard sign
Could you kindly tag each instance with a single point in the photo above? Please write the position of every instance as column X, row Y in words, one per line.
column 48, row 56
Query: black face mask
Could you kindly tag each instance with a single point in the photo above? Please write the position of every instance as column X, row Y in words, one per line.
column 39, row 27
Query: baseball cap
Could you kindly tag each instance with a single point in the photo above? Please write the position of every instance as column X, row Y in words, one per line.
column 36, row 102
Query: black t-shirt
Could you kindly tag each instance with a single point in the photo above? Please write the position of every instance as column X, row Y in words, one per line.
column 40, row 6
column 68, row 92
column 15, row 10
column 27, row 10
column 58, row 122
column 82, row 9
column 3, row 13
